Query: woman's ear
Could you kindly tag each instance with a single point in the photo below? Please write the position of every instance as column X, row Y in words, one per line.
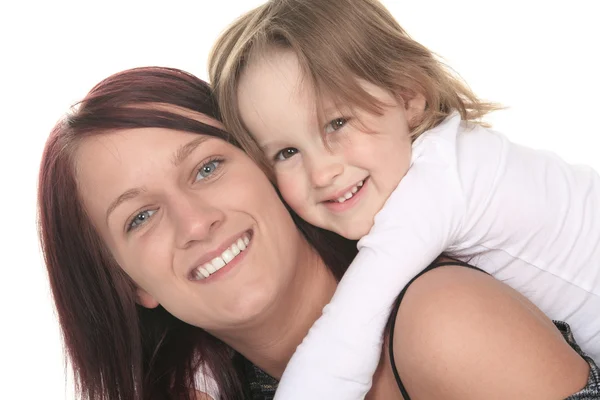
column 144, row 299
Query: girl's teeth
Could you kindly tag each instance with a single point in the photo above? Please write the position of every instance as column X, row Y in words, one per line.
column 226, row 257
column 348, row 195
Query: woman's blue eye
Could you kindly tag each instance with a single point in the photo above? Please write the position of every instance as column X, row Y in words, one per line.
column 286, row 153
column 335, row 124
column 207, row 169
column 140, row 219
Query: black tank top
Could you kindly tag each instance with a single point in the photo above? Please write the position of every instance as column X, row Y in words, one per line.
column 436, row 264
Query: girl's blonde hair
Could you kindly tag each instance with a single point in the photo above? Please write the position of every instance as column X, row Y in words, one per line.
column 336, row 42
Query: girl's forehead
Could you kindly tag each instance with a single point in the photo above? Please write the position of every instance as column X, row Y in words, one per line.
column 278, row 73
column 274, row 73
column 277, row 84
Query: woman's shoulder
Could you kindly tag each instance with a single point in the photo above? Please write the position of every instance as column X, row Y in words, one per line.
column 460, row 331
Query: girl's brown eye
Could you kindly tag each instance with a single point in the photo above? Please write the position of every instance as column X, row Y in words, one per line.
column 335, row 124
column 286, row 154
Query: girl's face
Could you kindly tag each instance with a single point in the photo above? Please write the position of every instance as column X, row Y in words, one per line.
column 192, row 220
column 339, row 185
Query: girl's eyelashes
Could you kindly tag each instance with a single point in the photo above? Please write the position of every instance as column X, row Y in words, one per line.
column 335, row 124
column 286, row 153
column 208, row 168
column 332, row 126
column 139, row 219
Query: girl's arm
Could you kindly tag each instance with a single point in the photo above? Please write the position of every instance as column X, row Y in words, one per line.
column 339, row 355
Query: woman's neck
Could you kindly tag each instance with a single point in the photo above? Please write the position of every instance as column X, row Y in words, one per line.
column 270, row 342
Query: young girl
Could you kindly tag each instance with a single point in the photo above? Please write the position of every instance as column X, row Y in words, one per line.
column 371, row 137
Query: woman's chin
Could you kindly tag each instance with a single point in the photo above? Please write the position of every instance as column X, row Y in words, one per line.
column 239, row 313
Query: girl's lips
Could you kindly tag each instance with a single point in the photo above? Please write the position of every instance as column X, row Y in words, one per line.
column 338, row 207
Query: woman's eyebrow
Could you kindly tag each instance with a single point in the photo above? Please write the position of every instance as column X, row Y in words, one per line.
column 184, row 151
column 127, row 195
column 179, row 157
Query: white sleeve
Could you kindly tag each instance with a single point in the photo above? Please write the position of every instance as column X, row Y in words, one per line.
column 338, row 357
column 205, row 382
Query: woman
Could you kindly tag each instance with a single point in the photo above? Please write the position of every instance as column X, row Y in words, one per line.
column 170, row 255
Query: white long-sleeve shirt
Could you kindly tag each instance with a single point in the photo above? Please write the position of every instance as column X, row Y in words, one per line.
column 525, row 216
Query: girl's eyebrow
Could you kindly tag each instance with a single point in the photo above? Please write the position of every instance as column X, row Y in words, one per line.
column 268, row 146
column 265, row 147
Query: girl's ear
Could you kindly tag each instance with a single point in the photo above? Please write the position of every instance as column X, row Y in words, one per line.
column 144, row 299
column 415, row 107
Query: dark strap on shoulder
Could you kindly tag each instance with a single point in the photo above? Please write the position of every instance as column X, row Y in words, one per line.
column 435, row 264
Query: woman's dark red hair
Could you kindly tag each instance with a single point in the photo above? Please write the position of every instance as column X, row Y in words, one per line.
column 118, row 349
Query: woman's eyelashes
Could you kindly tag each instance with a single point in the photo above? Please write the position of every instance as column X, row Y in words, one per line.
column 208, row 169
column 139, row 219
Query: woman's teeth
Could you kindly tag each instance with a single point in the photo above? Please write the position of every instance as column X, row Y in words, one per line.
column 349, row 194
column 225, row 258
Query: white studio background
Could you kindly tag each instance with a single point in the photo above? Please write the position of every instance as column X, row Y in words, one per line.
column 540, row 58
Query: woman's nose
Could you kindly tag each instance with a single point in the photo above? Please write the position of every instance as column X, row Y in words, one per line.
column 196, row 221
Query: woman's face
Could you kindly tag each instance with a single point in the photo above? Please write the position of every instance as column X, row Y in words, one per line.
column 192, row 220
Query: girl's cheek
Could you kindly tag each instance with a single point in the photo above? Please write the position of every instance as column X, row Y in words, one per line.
column 293, row 192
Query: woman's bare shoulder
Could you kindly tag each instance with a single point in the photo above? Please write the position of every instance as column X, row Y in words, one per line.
column 462, row 334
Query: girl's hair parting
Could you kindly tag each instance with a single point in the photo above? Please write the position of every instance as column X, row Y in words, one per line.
column 338, row 43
